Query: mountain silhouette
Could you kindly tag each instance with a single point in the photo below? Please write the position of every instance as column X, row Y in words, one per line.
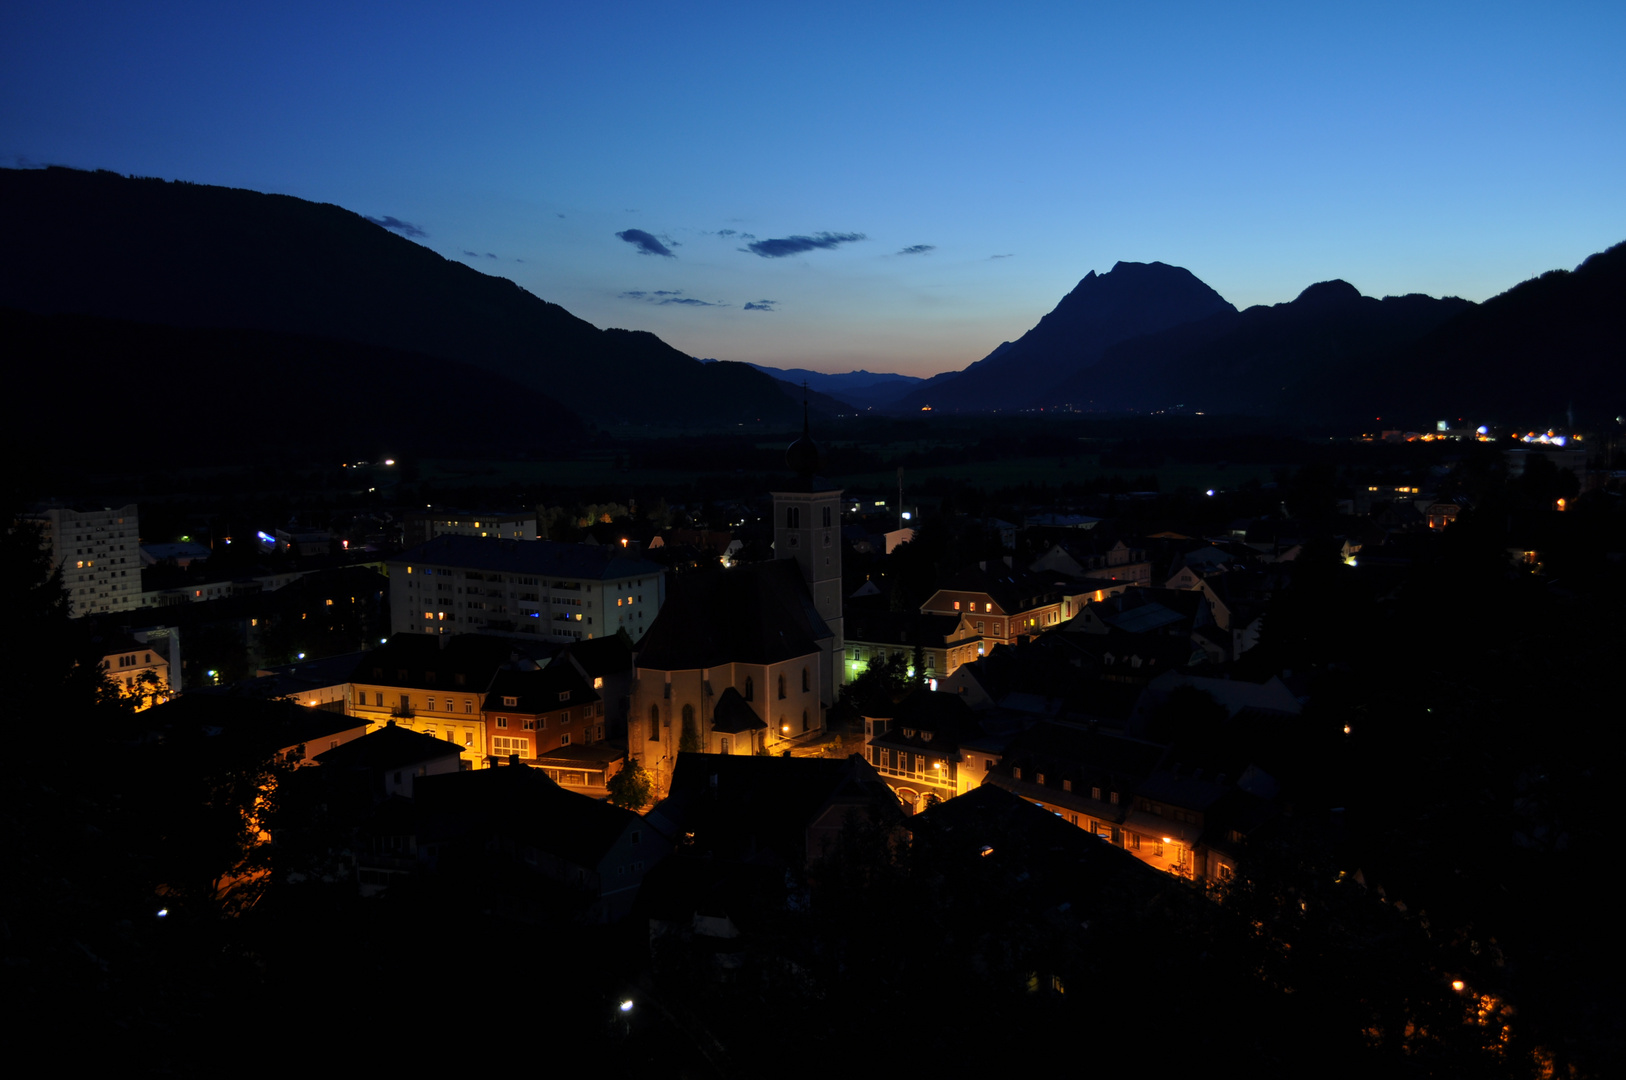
column 1275, row 360
column 1530, row 356
column 1129, row 301
column 97, row 243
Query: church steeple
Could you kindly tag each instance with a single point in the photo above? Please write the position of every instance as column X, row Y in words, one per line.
column 807, row 528
column 803, row 455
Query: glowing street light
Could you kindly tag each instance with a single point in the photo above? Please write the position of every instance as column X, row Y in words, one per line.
column 626, row 1005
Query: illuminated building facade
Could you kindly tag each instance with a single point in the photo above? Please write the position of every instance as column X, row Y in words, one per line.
column 919, row 749
column 433, row 686
column 747, row 660
column 536, row 588
column 98, row 550
column 138, row 669
column 532, row 712
column 421, row 526
column 731, row 666
column 1000, row 605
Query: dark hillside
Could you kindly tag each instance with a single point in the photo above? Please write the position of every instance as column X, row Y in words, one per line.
column 206, row 396
column 193, row 255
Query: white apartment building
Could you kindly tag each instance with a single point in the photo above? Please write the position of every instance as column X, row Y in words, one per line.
column 553, row 591
column 99, row 551
column 422, row 526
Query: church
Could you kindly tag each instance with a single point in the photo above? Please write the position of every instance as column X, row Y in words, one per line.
column 748, row 660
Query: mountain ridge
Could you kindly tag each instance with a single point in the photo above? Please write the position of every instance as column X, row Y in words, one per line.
column 186, row 254
column 1129, row 301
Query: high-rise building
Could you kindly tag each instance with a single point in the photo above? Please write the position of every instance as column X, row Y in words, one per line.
column 99, row 552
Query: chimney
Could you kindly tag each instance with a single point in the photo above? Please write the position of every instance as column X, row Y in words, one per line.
column 513, row 759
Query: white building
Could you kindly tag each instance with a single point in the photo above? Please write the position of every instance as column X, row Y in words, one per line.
column 99, row 552
column 557, row 592
column 421, row 526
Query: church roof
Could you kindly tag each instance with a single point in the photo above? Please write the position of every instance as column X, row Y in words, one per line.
column 759, row 613
column 734, row 714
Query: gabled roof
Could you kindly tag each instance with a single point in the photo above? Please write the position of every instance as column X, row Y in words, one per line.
column 266, row 725
column 557, row 686
column 544, row 558
column 389, row 747
column 522, row 803
column 1234, row 695
column 760, row 808
column 1013, row 589
column 600, row 657
column 734, row 714
column 1086, row 756
column 902, row 628
column 435, row 661
column 754, row 614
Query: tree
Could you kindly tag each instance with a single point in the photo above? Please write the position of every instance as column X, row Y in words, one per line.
column 880, row 685
column 632, row 787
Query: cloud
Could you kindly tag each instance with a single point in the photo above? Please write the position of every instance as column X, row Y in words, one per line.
column 471, row 254
column 405, row 228
column 760, row 305
column 558, row 215
column 489, row 255
column 669, row 296
column 725, row 232
column 795, row 245
column 645, row 243
column 1007, row 255
column 918, row 249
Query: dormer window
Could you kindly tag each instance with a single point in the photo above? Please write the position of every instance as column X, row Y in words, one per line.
column 908, row 733
column 509, row 702
column 1016, row 772
column 925, row 736
column 565, row 696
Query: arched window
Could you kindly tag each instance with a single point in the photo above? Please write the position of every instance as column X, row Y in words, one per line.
column 688, row 720
column 750, row 689
column 805, row 686
column 654, row 723
column 781, row 687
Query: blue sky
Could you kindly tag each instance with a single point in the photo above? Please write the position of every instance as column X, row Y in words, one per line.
column 1441, row 148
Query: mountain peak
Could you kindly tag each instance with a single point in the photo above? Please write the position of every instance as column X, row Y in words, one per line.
column 1326, row 294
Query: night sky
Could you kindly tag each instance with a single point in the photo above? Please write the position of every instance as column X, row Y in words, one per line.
column 896, row 187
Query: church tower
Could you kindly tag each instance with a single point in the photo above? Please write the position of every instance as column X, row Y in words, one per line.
column 807, row 528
